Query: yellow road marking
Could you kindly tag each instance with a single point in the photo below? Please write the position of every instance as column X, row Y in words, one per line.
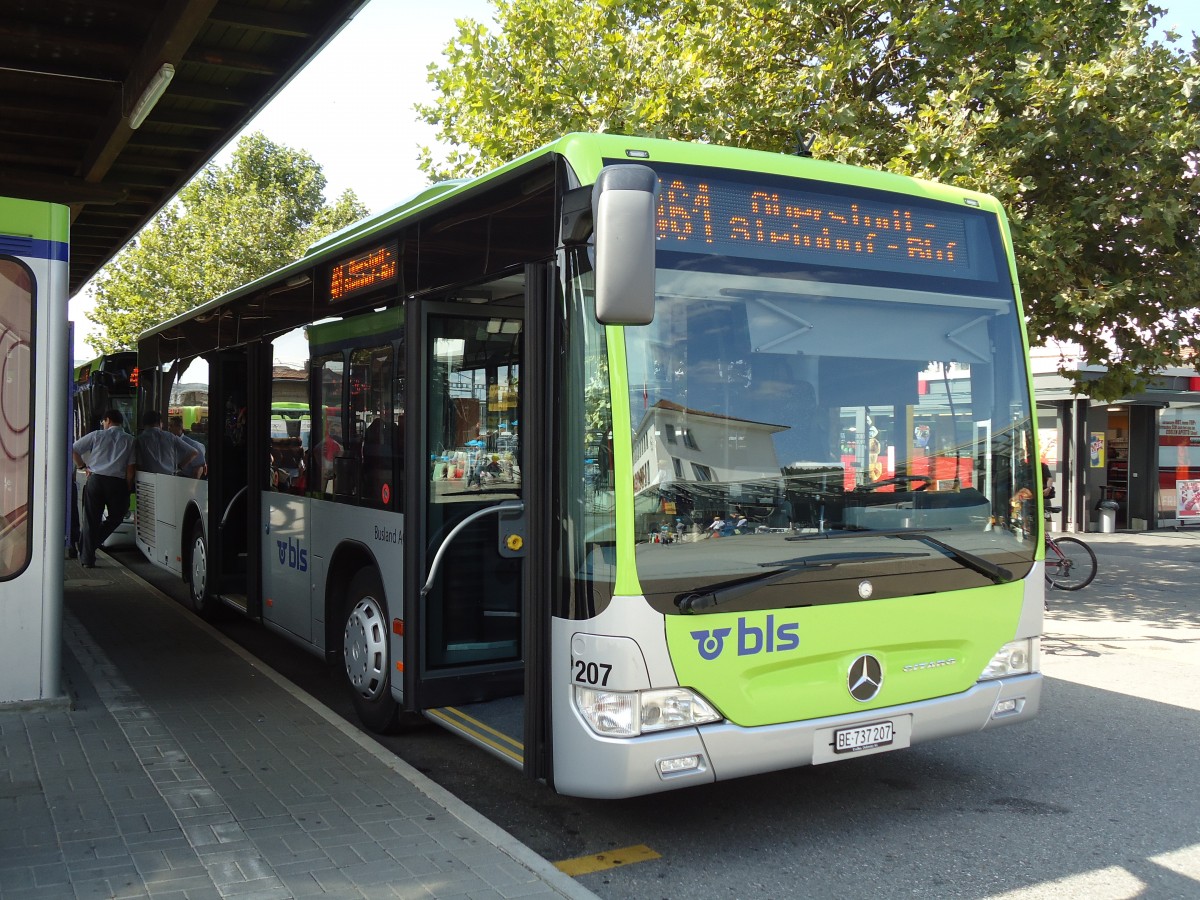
column 610, row 859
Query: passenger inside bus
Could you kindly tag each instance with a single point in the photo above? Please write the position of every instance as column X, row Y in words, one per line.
column 162, row 452
column 197, row 468
column 287, row 465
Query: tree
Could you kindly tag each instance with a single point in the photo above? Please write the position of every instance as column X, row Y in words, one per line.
column 225, row 228
column 1072, row 114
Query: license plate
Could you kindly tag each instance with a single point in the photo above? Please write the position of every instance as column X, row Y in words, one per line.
column 863, row 737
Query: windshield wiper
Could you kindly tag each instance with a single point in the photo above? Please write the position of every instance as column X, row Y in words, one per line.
column 695, row 601
column 998, row 574
column 987, row 568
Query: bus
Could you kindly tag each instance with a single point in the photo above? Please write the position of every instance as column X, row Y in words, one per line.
column 639, row 464
column 106, row 382
column 34, row 463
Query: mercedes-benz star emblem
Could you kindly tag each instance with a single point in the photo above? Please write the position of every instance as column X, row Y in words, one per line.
column 865, row 678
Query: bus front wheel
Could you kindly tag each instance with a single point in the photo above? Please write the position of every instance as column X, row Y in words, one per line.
column 366, row 656
column 197, row 571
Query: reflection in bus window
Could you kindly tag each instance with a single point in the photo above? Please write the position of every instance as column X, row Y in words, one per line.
column 373, row 433
column 330, row 388
column 290, row 419
column 188, row 400
column 475, row 415
column 16, row 357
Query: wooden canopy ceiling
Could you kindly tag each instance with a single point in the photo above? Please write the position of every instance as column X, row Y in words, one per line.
column 71, row 76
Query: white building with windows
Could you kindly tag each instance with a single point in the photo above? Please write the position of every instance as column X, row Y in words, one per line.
column 676, row 444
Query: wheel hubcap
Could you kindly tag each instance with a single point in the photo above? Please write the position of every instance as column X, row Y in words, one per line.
column 364, row 648
column 199, row 572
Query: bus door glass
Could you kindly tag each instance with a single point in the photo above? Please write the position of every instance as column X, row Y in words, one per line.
column 285, row 577
column 472, row 369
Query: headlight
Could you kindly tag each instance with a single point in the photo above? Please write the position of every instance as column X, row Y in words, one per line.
column 1014, row 658
column 630, row 713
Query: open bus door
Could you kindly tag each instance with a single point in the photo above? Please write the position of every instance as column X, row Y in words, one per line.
column 236, row 403
column 479, row 636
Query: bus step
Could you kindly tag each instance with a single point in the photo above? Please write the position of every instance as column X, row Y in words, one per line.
column 237, row 601
column 495, row 725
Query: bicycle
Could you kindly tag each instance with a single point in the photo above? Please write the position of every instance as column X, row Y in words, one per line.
column 1070, row 563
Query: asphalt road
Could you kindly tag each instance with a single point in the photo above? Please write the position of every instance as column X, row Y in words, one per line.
column 1099, row 797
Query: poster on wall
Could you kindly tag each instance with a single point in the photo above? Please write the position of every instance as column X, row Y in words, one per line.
column 1096, row 450
column 1187, row 499
column 1179, row 439
column 1048, row 448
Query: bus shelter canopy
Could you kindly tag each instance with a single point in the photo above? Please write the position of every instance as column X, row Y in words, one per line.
column 85, row 123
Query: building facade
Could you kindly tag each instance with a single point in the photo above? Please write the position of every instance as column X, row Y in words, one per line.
column 1141, row 452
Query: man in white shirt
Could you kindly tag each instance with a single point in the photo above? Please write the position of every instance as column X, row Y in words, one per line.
column 197, row 468
column 159, row 451
column 107, row 456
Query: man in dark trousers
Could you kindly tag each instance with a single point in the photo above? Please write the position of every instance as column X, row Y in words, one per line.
column 107, row 456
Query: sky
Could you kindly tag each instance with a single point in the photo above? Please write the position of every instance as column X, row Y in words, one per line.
column 351, row 108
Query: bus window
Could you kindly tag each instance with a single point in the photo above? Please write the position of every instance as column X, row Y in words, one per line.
column 373, row 430
column 189, row 401
column 331, row 371
column 289, row 413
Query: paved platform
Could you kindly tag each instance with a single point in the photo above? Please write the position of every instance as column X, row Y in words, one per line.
column 178, row 766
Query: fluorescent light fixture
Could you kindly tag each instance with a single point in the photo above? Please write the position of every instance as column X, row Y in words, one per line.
column 151, row 95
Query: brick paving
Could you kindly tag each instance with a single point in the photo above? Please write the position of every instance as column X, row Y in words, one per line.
column 178, row 767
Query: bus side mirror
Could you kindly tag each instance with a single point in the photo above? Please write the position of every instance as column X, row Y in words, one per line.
column 624, row 210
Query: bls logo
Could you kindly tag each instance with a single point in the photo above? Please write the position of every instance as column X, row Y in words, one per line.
column 292, row 555
column 750, row 638
column 711, row 643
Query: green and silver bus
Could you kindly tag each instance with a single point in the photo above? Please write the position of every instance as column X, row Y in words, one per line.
column 639, row 464
column 106, row 382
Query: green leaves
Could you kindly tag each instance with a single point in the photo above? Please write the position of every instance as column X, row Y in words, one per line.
column 1081, row 124
column 226, row 227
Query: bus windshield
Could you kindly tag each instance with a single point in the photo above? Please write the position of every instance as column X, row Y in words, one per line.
column 780, row 400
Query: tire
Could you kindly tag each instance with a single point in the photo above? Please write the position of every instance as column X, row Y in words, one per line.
column 1073, row 567
column 202, row 601
column 366, row 661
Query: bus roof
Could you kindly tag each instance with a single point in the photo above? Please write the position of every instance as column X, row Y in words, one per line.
column 587, row 154
column 122, row 361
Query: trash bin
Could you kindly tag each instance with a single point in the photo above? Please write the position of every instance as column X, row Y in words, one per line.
column 1107, row 510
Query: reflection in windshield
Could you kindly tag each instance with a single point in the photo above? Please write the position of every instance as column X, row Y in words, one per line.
column 768, row 406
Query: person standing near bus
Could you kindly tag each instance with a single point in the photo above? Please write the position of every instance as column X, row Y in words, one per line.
column 197, row 468
column 107, row 456
column 161, row 452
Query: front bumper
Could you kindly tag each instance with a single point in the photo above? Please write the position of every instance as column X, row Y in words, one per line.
column 587, row 765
